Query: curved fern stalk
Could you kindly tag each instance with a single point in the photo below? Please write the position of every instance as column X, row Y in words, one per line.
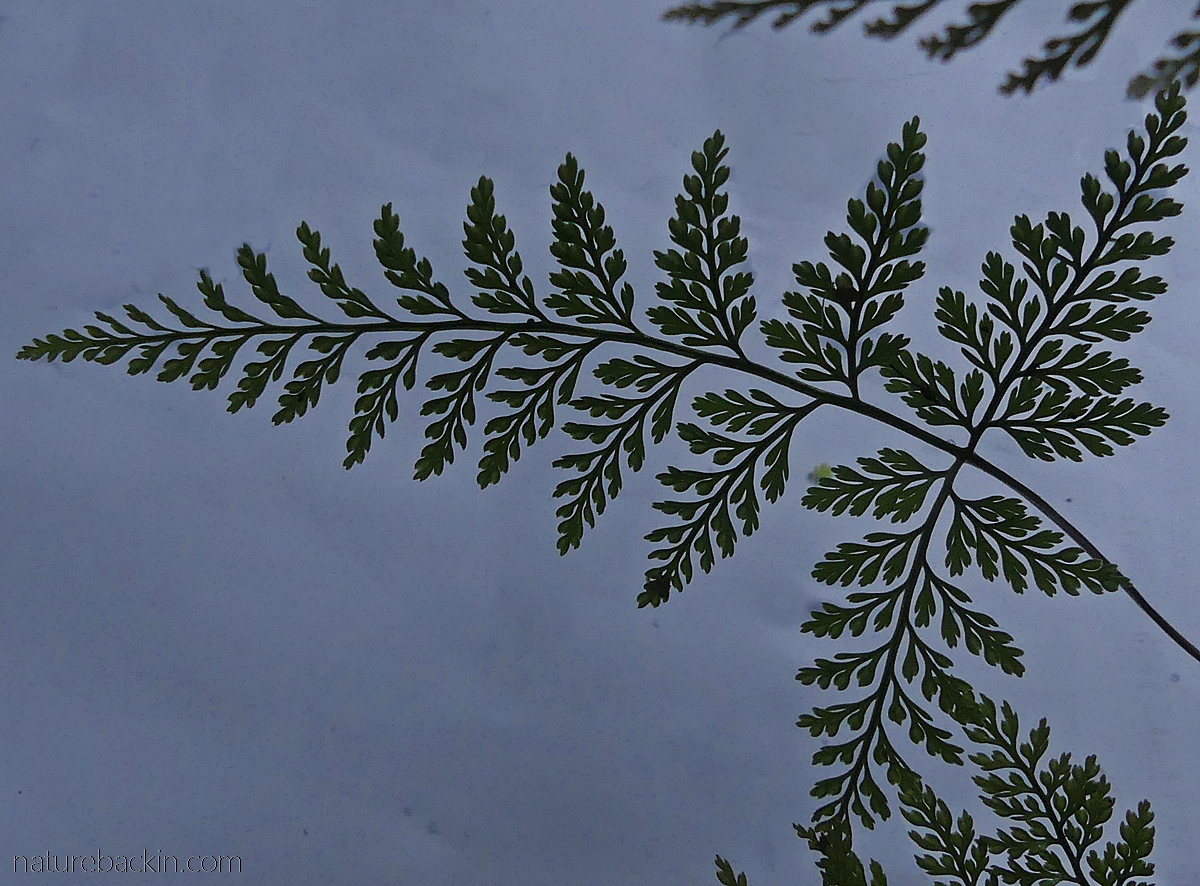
column 1037, row 377
column 1095, row 20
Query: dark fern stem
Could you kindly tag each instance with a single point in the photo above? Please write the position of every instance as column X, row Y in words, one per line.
column 1035, row 373
column 1094, row 20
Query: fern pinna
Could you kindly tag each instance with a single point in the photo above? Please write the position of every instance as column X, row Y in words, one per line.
column 1034, row 371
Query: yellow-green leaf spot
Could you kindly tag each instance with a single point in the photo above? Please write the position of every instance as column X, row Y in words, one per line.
column 819, row 473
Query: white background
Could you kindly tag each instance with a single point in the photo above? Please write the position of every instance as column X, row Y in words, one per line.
column 215, row 640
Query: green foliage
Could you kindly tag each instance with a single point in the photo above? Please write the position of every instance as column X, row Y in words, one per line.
column 1095, row 20
column 774, row 423
column 1033, row 371
column 1183, row 66
column 838, row 312
column 714, row 307
column 583, row 245
column 725, row 875
column 1059, row 810
column 1028, row 344
column 838, row 864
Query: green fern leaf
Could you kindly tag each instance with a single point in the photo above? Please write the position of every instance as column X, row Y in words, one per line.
column 491, row 245
column 583, row 245
column 713, row 307
column 839, row 312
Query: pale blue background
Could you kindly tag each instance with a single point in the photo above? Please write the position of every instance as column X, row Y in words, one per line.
column 216, row 640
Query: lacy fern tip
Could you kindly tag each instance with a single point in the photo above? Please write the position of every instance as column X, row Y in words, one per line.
column 1058, row 811
column 1055, row 812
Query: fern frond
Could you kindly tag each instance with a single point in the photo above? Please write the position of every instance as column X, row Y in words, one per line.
column 713, row 306
column 838, row 312
column 588, row 495
column 583, row 245
column 725, row 875
column 1023, row 385
column 839, row 864
column 773, row 428
column 1058, row 809
column 490, row 245
column 1182, row 66
column 1034, row 373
